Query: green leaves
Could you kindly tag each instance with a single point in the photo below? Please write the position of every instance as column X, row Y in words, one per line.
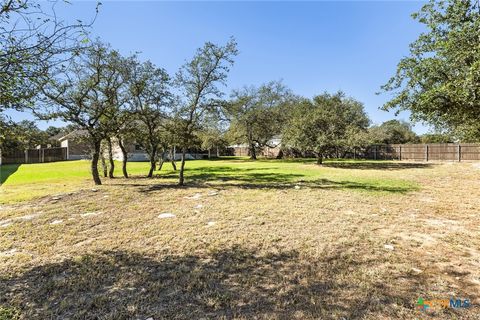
column 440, row 81
column 34, row 44
column 327, row 122
column 257, row 113
column 391, row 132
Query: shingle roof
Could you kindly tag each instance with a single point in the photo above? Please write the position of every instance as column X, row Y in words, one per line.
column 73, row 134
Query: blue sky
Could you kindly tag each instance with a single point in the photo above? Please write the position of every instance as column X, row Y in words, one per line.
column 312, row 46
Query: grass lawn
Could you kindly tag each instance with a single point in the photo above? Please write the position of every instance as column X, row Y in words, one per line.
column 26, row 182
column 268, row 239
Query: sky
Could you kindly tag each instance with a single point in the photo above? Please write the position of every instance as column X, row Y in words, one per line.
column 353, row 46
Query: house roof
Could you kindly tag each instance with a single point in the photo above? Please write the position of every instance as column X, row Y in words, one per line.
column 73, row 134
column 57, row 136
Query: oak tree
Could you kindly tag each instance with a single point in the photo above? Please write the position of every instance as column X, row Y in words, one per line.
column 439, row 81
column 198, row 82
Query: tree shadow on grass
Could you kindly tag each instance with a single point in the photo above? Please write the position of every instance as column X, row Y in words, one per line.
column 265, row 178
column 322, row 184
column 226, row 173
column 7, row 170
column 253, row 175
column 374, row 165
column 230, row 283
column 266, row 181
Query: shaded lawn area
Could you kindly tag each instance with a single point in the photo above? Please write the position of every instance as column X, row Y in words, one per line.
column 25, row 182
column 246, row 240
column 6, row 171
column 230, row 283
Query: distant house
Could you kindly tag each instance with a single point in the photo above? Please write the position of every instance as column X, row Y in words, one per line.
column 54, row 140
column 137, row 153
column 270, row 151
column 77, row 148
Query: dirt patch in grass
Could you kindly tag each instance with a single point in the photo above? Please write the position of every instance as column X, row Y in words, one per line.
column 356, row 243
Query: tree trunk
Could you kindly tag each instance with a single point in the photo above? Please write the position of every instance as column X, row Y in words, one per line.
column 172, row 158
column 104, row 165
column 94, row 167
column 280, row 154
column 209, row 153
column 253, row 153
column 152, row 168
column 319, row 159
column 161, row 161
column 182, row 169
column 218, row 152
column 110, row 159
column 124, row 157
column 153, row 164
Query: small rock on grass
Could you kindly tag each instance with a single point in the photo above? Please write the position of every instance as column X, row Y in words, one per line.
column 5, row 223
column 199, row 206
column 87, row 214
column 416, row 270
column 29, row 217
column 94, row 190
column 389, row 247
column 84, row 242
column 56, row 222
column 8, row 253
column 297, row 187
column 213, row 193
column 211, row 223
column 195, row 196
column 166, row 215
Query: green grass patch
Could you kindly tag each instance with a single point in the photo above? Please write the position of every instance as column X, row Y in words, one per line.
column 9, row 313
column 28, row 181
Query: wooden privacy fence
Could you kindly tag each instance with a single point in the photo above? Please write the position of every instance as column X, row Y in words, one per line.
column 33, row 155
column 424, row 152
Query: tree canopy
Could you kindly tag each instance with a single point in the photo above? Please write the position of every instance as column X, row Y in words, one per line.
column 150, row 102
column 392, row 132
column 88, row 94
column 321, row 125
column 198, row 81
column 439, row 81
column 256, row 116
column 34, row 42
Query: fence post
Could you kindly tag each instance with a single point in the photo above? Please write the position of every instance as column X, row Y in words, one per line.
column 459, row 152
column 375, row 153
column 400, row 152
column 426, row 152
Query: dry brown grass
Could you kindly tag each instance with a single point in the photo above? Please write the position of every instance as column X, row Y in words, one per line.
column 271, row 252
